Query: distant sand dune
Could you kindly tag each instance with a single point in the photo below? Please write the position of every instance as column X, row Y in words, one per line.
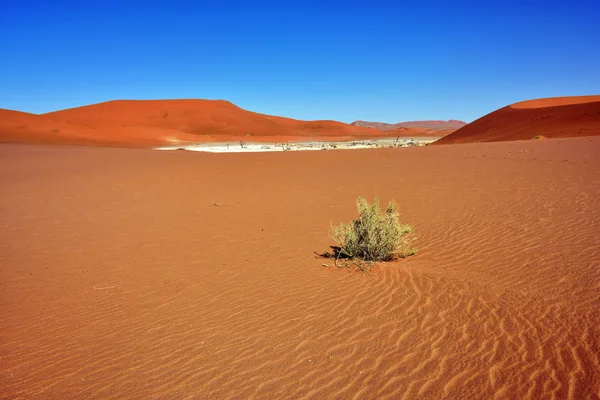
column 551, row 118
column 151, row 123
column 199, row 117
column 431, row 126
column 501, row 301
column 147, row 123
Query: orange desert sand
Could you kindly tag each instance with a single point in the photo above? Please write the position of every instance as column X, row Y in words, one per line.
column 119, row 280
column 133, row 273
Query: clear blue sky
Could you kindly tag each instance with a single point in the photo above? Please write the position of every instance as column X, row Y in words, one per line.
column 341, row 60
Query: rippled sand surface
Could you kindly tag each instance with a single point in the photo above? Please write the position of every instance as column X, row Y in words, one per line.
column 141, row 274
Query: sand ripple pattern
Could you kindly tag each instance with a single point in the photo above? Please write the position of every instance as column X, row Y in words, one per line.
column 121, row 281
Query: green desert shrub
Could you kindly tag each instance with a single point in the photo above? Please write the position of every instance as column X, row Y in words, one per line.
column 373, row 236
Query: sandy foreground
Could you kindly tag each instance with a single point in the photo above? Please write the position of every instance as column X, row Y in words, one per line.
column 121, row 278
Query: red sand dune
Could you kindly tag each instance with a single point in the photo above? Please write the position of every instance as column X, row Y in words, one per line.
column 19, row 127
column 16, row 126
column 556, row 101
column 430, row 126
column 409, row 131
column 208, row 118
column 119, row 280
column 164, row 122
column 434, row 124
column 551, row 118
column 416, row 132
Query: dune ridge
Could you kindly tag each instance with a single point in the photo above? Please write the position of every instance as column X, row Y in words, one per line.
column 551, row 117
column 120, row 279
column 556, row 101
